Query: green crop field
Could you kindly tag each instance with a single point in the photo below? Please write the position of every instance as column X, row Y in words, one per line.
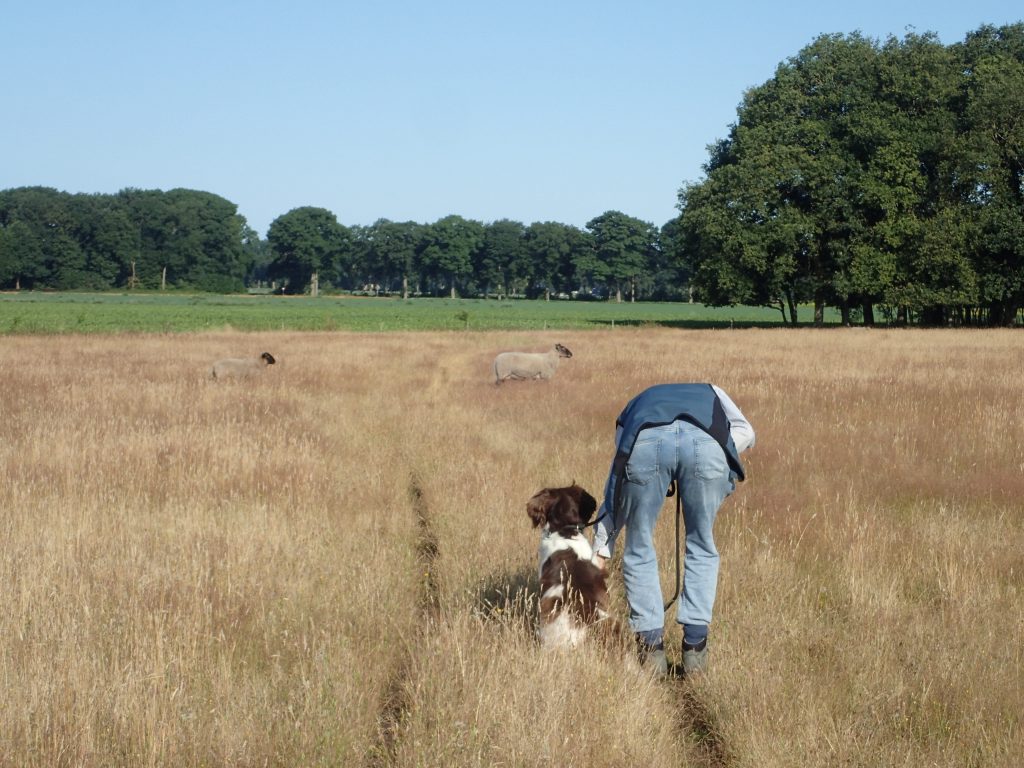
column 30, row 312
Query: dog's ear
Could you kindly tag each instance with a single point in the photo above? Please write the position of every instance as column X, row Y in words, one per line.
column 538, row 506
column 583, row 504
column 587, row 505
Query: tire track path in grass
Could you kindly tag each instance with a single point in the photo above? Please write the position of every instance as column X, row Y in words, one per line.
column 427, row 553
column 395, row 704
column 697, row 722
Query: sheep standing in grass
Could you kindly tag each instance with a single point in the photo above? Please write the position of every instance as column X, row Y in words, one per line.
column 528, row 365
column 240, row 367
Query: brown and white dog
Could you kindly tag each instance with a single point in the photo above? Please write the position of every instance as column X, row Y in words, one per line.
column 573, row 592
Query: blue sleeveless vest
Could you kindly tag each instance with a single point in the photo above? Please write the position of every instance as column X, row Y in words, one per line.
column 659, row 405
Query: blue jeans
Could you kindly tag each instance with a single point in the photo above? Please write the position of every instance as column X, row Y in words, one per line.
column 689, row 455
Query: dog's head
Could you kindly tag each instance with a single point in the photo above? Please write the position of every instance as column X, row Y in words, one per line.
column 561, row 507
column 267, row 358
column 563, row 352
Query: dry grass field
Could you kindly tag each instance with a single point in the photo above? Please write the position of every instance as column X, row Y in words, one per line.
column 331, row 565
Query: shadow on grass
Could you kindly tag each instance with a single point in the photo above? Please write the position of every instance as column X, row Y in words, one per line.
column 695, row 718
column 510, row 598
column 704, row 325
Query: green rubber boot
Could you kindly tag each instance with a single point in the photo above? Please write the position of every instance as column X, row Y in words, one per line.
column 695, row 658
column 656, row 664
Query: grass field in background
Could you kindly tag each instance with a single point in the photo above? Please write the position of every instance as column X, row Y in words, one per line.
column 31, row 312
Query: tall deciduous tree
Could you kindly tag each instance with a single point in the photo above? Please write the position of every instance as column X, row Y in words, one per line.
column 186, row 238
column 42, row 251
column 668, row 278
column 905, row 236
column 305, row 242
column 863, row 174
column 622, row 248
column 500, row 255
column 391, row 251
column 448, row 248
column 109, row 240
column 21, row 256
column 550, row 247
column 992, row 163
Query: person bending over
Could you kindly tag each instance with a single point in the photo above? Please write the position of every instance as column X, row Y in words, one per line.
column 692, row 434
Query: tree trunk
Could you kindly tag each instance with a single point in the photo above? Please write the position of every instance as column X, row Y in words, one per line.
column 819, row 311
column 1002, row 314
column 163, row 279
column 792, row 307
column 405, row 286
column 618, row 294
column 314, row 284
column 844, row 312
column 869, row 313
column 932, row 316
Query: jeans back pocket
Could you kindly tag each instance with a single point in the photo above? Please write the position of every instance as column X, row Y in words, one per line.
column 643, row 461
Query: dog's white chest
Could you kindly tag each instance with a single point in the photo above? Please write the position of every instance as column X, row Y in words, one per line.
column 551, row 542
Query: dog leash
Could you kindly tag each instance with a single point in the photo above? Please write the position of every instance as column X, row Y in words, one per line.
column 600, row 517
column 673, row 490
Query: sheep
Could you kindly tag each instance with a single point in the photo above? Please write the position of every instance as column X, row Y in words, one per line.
column 528, row 365
column 240, row 367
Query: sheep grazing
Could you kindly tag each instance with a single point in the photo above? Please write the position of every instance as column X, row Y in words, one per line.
column 240, row 367
column 528, row 365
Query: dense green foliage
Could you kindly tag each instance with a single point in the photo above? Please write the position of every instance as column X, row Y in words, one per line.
column 144, row 311
column 136, row 238
column 195, row 240
column 864, row 176
column 306, row 242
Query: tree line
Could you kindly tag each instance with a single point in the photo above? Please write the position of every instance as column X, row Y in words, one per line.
column 132, row 239
column 616, row 255
column 873, row 177
column 198, row 240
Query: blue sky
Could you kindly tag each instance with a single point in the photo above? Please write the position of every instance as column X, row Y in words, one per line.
column 536, row 111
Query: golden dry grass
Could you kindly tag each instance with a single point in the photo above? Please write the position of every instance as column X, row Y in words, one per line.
column 331, row 564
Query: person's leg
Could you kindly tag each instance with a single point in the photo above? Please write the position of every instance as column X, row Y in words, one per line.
column 705, row 482
column 648, row 474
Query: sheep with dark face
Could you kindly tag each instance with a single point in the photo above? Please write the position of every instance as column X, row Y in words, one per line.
column 528, row 365
column 241, row 367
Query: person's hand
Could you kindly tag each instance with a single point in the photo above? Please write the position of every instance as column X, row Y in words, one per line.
column 599, row 561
